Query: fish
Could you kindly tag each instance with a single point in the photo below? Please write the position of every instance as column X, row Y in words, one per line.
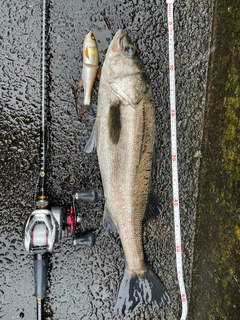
column 124, row 137
column 90, row 69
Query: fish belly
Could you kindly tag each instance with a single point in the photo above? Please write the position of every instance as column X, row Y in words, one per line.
column 126, row 173
column 89, row 75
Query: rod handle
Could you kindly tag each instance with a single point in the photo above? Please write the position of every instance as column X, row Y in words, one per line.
column 40, row 274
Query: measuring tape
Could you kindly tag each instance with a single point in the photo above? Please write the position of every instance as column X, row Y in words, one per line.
column 174, row 162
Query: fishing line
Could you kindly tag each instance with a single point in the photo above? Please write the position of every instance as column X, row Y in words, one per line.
column 47, row 225
column 177, row 225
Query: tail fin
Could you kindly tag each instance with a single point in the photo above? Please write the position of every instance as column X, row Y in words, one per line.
column 89, row 109
column 146, row 287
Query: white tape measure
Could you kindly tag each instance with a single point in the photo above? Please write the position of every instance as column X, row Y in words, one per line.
column 174, row 162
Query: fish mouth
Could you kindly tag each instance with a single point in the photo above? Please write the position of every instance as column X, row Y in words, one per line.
column 90, row 34
column 90, row 37
column 90, row 40
column 120, row 40
column 117, row 41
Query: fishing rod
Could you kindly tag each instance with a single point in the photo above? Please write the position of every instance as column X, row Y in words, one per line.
column 46, row 225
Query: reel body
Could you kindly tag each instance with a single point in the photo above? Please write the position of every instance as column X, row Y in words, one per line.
column 43, row 229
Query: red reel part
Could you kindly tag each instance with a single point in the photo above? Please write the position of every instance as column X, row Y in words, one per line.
column 71, row 219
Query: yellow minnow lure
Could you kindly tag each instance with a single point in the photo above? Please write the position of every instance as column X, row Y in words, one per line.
column 90, row 66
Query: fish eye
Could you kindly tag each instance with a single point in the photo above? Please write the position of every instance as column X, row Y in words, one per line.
column 93, row 38
column 130, row 50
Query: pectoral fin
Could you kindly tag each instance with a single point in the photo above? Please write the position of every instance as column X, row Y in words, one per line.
column 153, row 208
column 92, row 142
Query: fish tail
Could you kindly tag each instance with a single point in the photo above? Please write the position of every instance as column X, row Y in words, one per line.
column 141, row 288
column 89, row 109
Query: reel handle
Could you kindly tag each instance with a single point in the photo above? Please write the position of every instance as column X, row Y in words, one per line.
column 89, row 195
column 87, row 240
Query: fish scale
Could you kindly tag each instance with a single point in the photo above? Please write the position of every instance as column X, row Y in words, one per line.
column 124, row 136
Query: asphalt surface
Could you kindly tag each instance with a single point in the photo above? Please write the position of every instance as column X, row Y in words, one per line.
column 83, row 283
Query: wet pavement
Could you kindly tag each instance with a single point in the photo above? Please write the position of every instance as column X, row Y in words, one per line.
column 83, row 283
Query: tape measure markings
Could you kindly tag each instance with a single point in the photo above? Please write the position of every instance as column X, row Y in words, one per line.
column 177, row 225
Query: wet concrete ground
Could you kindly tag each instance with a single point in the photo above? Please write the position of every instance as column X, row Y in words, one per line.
column 216, row 272
column 83, row 283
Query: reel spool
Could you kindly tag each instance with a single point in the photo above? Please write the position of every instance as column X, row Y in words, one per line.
column 39, row 235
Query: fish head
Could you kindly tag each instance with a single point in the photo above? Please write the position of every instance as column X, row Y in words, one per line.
column 90, row 49
column 121, row 41
column 124, row 71
column 122, row 55
column 90, row 40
